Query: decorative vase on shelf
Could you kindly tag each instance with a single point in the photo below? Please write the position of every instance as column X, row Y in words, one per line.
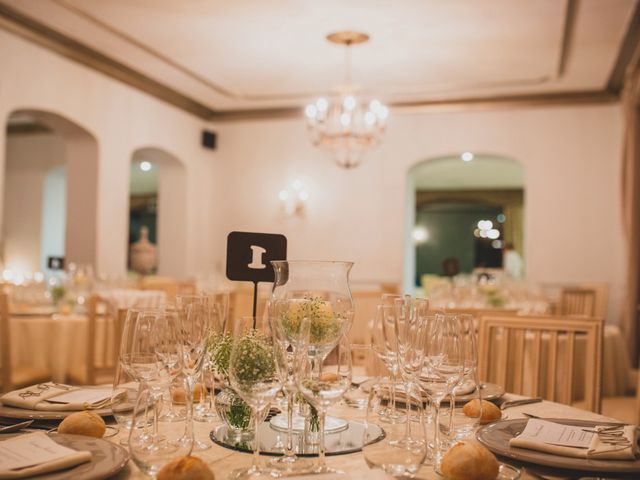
column 318, row 290
column 143, row 254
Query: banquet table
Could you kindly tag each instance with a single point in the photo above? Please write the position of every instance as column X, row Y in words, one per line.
column 222, row 460
column 57, row 342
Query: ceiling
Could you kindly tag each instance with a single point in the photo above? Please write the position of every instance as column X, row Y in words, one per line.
column 484, row 172
column 239, row 55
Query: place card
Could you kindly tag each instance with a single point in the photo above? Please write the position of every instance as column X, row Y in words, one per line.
column 553, row 433
column 83, row 395
column 29, row 450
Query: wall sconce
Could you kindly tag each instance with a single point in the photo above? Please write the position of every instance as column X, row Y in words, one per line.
column 293, row 199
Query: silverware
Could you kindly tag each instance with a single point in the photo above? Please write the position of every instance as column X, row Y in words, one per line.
column 16, row 427
column 517, row 403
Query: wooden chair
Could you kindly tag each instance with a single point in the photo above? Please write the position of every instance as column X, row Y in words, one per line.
column 102, row 350
column 577, row 301
column 537, row 356
column 11, row 376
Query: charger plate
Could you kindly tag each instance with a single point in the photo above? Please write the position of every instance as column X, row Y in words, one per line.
column 272, row 441
column 107, row 458
column 496, row 438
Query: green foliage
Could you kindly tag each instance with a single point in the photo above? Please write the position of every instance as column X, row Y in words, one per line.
column 325, row 325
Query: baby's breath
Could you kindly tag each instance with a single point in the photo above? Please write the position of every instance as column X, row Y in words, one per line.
column 325, row 325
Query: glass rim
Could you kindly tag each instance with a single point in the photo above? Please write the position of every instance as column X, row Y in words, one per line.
column 320, row 262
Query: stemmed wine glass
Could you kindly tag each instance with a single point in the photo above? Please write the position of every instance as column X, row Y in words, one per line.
column 410, row 324
column 391, row 454
column 254, row 375
column 442, row 367
column 323, row 381
column 195, row 314
column 385, row 345
column 286, row 343
column 463, row 424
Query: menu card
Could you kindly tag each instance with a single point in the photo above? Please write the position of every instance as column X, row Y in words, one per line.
column 32, row 449
column 556, row 434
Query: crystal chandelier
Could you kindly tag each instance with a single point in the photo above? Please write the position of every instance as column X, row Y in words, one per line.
column 344, row 123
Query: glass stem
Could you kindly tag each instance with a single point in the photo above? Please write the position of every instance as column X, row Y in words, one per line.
column 156, row 414
column 452, row 411
column 407, row 427
column 436, row 431
column 321, row 461
column 394, row 377
column 289, row 448
column 256, row 439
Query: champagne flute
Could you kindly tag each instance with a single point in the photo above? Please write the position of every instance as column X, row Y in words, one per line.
column 322, row 381
column 195, row 325
column 254, row 375
column 391, row 454
column 443, row 365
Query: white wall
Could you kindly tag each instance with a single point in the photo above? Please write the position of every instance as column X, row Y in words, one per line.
column 122, row 120
column 29, row 159
column 53, row 216
column 571, row 157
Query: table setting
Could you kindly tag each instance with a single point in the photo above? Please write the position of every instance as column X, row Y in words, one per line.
column 270, row 397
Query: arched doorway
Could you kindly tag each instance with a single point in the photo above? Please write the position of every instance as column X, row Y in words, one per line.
column 158, row 202
column 463, row 212
column 50, row 192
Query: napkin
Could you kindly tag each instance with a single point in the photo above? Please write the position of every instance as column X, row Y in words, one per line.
column 57, row 397
column 26, row 456
column 597, row 447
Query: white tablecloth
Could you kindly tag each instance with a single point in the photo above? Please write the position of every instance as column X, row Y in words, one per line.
column 56, row 342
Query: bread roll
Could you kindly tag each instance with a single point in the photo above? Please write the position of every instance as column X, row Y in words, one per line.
column 186, row 468
column 180, row 396
column 83, row 423
column 469, row 460
column 490, row 413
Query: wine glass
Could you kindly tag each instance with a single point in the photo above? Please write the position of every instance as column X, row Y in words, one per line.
column 254, row 375
column 384, row 345
column 170, row 441
column 442, row 367
column 391, row 454
column 410, row 324
column 123, row 400
column 322, row 381
column 462, row 424
column 286, row 345
column 196, row 322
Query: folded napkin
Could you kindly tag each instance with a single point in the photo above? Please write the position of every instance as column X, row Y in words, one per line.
column 57, row 397
column 602, row 442
column 32, row 454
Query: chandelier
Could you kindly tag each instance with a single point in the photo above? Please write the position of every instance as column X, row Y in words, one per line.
column 345, row 124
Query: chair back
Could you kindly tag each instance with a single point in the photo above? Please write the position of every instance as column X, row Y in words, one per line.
column 5, row 345
column 578, row 301
column 551, row 357
column 103, row 339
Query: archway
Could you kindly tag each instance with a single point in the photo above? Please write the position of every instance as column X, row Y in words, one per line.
column 50, row 192
column 462, row 212
column 158, row 202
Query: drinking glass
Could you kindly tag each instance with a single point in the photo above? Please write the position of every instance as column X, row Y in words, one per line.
column 383, row 343
column 195, row 314
column 463, row 424
column 254, row 375
column 286, row 345
column 170, row 441
column 391, row 454
column 123, row 400
column 410, row 325
column 323, row 381
column 442, row 367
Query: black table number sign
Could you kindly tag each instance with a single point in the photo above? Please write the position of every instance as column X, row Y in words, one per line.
column 249, row 257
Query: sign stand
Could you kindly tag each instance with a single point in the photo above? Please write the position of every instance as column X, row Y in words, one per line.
column 249, row 257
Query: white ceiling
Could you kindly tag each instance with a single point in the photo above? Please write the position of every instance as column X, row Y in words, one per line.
column 484, row 172
column 243, row 54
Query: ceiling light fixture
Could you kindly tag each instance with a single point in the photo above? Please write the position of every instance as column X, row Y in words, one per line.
column 343, row 123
